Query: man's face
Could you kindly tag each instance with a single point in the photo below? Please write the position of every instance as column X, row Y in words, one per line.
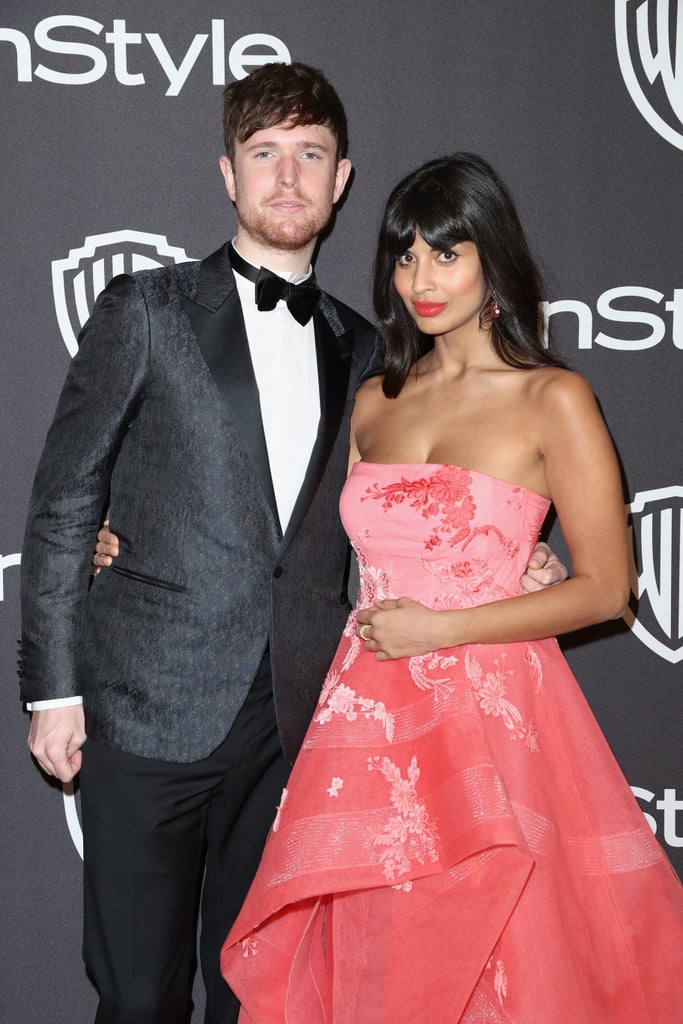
column 284, row 182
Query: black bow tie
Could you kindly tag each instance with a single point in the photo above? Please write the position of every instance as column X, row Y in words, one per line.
column 301, row 299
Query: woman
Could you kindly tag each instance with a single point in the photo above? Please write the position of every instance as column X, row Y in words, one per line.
column 456, row 842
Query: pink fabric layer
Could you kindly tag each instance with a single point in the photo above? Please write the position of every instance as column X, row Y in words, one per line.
column 457, row 842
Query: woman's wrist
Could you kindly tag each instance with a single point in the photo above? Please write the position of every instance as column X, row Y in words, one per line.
column 446, row 629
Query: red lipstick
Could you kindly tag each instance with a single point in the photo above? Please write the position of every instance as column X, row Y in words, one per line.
column 429, row 308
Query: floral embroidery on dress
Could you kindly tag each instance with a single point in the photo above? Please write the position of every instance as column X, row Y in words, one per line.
column 249, row 946
column 490, row 690
column 355, row 647
column 444, row 494
column 531, row 738
column 355, row 643
column 511, row 548
column 534, row 663
column 500, row 981
column 342, row 700
column 331, row 680
column 375, row 583
column 335, row 785
column 421, row 664
column 470, row 583
column 515, row 500
column 509, row 545
column 408, row 834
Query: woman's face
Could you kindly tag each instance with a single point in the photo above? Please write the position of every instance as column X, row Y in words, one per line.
column 443, row 290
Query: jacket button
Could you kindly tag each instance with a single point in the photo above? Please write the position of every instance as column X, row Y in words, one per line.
column 277, row 572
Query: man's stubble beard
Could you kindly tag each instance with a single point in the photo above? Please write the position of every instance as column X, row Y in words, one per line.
column 285, row 235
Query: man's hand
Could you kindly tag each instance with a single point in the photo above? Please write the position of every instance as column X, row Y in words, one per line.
column 544, row 569
column 55, row 739
column 106, row 549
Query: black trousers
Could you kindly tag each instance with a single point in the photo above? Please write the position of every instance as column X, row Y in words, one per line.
column 156, row 836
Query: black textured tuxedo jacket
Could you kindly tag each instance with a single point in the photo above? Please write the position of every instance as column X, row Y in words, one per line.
column 159, row 422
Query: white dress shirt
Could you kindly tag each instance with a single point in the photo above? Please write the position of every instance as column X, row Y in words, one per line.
column 286, row 369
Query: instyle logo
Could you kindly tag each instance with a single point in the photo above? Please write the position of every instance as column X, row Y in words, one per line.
column 655, row 613
column 649, row 38
column 646, row 316
column 80, row 63
column 668, row 806
column 79, row 278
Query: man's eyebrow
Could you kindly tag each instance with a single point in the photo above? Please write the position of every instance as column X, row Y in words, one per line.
column 303, row 143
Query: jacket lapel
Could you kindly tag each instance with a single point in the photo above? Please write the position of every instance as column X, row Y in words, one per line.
column 216, row 317
column 333, row 348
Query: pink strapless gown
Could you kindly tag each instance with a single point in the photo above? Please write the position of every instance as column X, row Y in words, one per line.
column 457, row 842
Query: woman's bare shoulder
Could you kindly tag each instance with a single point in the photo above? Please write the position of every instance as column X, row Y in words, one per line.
column 371, row 386
column 369, row 394
column 563, row 409
column 552, row 385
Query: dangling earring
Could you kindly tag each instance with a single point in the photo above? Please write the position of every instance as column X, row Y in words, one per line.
column 494, row 309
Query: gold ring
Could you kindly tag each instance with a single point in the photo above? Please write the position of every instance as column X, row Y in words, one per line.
column 362, row 634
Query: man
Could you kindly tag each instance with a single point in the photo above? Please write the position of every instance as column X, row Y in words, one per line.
column 196, row 662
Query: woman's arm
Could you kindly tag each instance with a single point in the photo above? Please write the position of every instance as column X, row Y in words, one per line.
column 583, row 480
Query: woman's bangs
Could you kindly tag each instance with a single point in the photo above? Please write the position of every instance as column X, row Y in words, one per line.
column 431, row 214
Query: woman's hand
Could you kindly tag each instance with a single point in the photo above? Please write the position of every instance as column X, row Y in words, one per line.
column 106, row 549
column 400, row 628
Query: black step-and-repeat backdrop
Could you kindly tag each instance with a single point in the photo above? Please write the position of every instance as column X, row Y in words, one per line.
column 110, row 137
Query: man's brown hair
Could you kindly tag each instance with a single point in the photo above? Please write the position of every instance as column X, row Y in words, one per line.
column 294, row 94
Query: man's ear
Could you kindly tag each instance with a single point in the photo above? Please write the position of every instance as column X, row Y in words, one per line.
column 340, row 179
column 228, row 175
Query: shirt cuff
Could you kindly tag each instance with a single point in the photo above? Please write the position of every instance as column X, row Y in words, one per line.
column 56, row 702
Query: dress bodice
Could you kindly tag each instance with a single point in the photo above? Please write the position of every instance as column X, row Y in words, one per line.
column 446, row 536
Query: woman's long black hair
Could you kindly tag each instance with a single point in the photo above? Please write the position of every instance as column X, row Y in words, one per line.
column 454, row 199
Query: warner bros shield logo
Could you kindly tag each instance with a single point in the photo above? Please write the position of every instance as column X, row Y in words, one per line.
column 655, row 612
column 649, row 39
column 79, row 278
